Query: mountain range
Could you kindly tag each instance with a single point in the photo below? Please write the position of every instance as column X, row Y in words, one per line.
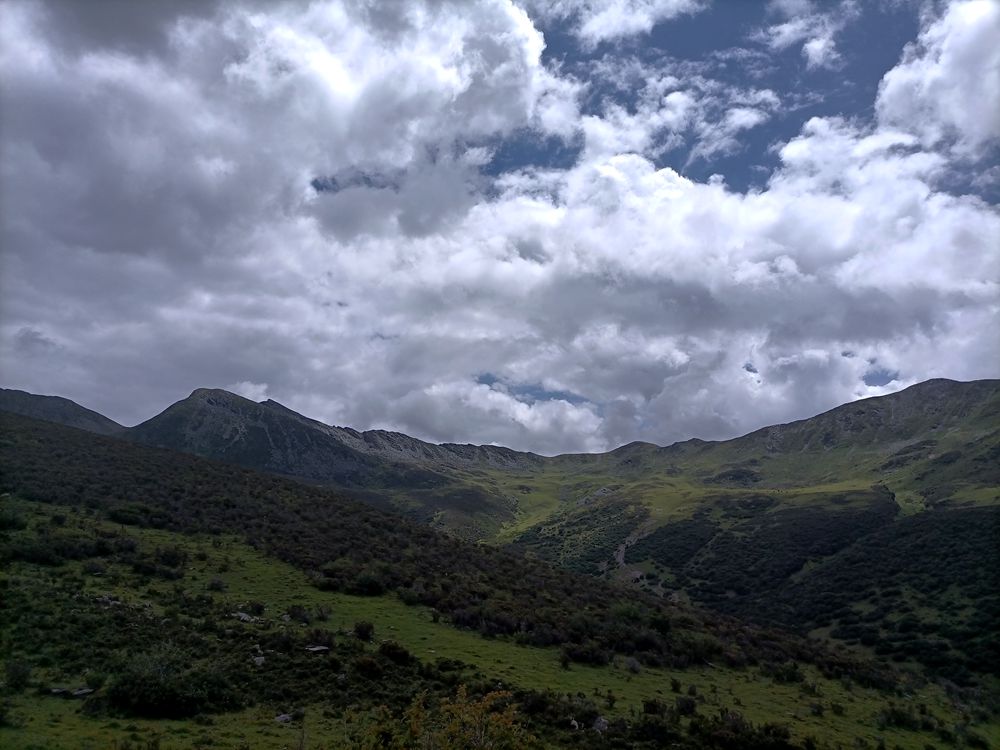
column 929, row 444
column 857, row 541
column 764, row 526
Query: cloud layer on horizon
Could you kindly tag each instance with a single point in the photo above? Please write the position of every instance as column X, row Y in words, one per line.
column 294, row 201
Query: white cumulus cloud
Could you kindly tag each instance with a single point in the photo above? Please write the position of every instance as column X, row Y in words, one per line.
column 948, row 84
column 596, row 21
column 291, row 199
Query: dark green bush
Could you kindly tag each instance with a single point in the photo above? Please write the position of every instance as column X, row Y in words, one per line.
column 395, row 652
column 159, row 685
column 17, row 674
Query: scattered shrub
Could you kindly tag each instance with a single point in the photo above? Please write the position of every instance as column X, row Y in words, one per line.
column 364, row 631
column 160, row 685
column 17, row 675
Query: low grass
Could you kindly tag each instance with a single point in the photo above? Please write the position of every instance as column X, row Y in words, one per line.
column 57, row 724
column 537, row 500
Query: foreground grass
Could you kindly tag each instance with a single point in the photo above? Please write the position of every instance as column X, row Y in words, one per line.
column 245, row 576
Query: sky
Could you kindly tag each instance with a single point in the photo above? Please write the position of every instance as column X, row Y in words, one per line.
column 558, row 226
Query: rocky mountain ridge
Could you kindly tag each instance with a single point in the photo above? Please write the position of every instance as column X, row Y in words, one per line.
column 926, row 406
column 483, row 492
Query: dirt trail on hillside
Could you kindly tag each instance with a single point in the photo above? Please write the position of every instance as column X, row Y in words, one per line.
column 637, row 533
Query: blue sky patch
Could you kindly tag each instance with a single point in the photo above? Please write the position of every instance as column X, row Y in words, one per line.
column 880, row 376
column 724, row 44
column 529, row 392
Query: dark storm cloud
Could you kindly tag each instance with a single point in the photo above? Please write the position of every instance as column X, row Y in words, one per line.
column 28, row 341
column 129, row 26
column 417, row 202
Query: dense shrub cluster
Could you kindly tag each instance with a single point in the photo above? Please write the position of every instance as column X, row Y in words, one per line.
column 867, row 567
column 760, row 553
column 530, row 719
column 584, row 539
column 674, row 544
column 948, row 560
column 161, row 684
column 190, row 657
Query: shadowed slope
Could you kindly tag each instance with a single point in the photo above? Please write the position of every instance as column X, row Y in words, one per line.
column 57, row 409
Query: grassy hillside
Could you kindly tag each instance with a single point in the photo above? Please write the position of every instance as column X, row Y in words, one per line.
column 159, row 580
column 154, row 601
column 824, row 526
column 349, row 547
column 852, row 525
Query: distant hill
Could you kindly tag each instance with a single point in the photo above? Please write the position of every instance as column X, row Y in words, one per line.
column 272, row 437
column 59, row 410
column 872, row 437
column 928, row 444
column 934, row 406
column 385, row 469
column 221, row 425
column 874, row 524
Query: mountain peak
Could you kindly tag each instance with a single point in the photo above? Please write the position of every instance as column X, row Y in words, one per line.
column 270, row 403
column 218, row 393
